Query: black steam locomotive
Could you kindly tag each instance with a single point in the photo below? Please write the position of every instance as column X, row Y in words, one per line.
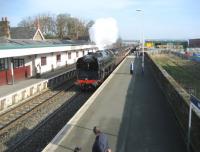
column 93, row 68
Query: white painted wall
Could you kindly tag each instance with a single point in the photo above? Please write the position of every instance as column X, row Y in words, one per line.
column 51, row 61
column 74, row 58
column 63, row 57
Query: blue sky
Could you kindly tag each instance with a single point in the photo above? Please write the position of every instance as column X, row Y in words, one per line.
column 160, row 19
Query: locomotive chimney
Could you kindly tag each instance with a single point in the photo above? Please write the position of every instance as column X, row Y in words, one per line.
column 5, row 28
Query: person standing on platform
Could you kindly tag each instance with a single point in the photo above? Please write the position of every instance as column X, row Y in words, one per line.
column 142, row 68
column 38, row 71
column 131, row 67
column 101, row 141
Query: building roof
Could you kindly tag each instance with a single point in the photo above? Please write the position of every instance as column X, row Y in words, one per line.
column 22, row 32
column 28, row 43
column 14, row 50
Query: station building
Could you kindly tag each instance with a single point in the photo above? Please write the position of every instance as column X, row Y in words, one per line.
column 24, row 53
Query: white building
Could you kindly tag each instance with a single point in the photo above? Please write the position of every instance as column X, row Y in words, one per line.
column 19, row 62
column 25, row 52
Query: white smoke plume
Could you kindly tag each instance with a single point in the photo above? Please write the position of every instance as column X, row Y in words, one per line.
column 104, row 32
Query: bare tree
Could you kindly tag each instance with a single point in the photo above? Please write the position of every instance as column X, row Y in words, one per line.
column 78, row 28
column 61, row 26
column 88, row 26
column 73, row 26
column 47, row 24
column 27, row 22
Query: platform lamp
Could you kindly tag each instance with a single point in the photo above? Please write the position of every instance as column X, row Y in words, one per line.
column 142, row 32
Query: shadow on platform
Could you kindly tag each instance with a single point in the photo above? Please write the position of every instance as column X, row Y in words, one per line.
column 148, row 124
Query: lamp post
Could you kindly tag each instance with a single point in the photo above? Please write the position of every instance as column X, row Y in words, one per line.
column 142, row 31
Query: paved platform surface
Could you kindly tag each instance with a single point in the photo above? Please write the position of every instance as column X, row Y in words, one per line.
column 132, row 111
column 8, row 89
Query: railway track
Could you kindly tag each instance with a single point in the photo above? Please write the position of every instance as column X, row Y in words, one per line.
column 32, row 142
column 10, row 117
column 22, row 121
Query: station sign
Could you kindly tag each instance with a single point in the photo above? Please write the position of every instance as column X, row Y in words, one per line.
column 195, row 103
column 195, row 106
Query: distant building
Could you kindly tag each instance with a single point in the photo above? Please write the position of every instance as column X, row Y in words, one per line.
column 8, row 32
column 131, row 42
column 171, row 44
column 194, row 43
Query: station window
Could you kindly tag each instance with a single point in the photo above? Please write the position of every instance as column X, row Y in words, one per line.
column 69, row 55
column 76, row 54
column 3, row 64
column 18, row 63
column 43, row 60
column 58, row 58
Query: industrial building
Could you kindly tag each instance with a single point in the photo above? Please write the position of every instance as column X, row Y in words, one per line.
column 170, row 44
column 194, row 43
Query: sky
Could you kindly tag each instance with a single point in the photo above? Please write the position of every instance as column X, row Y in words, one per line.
column 159, row 19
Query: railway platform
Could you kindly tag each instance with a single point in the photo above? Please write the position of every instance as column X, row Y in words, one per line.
column 11, row 95
column 8, row 89
column 130, row 109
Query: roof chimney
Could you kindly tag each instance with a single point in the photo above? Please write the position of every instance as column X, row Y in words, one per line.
column 4, row 27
